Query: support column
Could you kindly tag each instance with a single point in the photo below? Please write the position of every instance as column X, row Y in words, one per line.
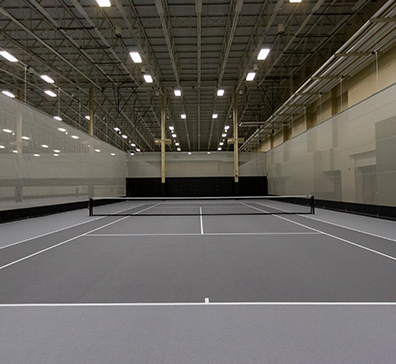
column 91, row 112
column 18, row 147
column 286, row 133
column 309, row 117
column 163, row 191
column 236, row 167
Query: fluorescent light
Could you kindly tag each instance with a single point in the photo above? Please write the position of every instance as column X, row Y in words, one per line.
column 178, row 149
column 45, row 146
column 177, row 144
column 148, row 78
column 219, row 148
column 263, row 54
column 56, row 155
column 224, row 135
column 295, row 1
column 133, row 144
column 183, row 116
column 112, row 153
column 56, row 151
column 250, row 76
column 226, row 127
column 177, row 92
column 171, row 128
column 208, row 152
column 221, row 143
column 137, row 149
column 47, row 78
column 36, row 155
column 124, row 136
column 220, row 92
column 9, row 94
column 60, row 119
column 117, row 129
column 61, row 129
column 25, row 138
column 97, row 150
column 15, row 151
column 8, row 56
column 189, row 153
column 7, row 131
column 132, row 153
column 2, row 146
column 87, row 117
column 136, row 57
column 174, row 135
column 76, row 137
column 104, row 3
column 215, row 116
column 50, row 93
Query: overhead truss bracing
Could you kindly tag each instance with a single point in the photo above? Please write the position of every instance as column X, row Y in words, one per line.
column 197, row 46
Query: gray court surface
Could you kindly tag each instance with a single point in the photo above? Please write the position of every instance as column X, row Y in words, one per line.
column 193, row 289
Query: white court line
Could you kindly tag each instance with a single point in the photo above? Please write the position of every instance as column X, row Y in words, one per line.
column 29, row 305
column 58, row 230
column 332, row 223
column 201, row 220
column 59, row 244
column 332, row 236
column 198, row 234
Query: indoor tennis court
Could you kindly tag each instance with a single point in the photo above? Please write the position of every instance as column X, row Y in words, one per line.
column 197, row 181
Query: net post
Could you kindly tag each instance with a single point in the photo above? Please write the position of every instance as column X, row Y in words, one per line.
column 312, row 205
column 90, row 206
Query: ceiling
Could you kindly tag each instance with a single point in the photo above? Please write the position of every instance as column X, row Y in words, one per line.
column 197, row 46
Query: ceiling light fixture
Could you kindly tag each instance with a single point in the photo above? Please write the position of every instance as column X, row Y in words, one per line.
column 171, row 128
column 174, row 135
column 62, row 129
column 8, row 56
column 25, row 138
column 250, row 76
column 215, row 116
column 45, row 146
column 177, row 92
column 148, row 78
column 9, row 94
column 87, row 117
column 50, row 93
column 224, row 135
column 183, row 116
column 219, row 148
column 220, row 92
column 226, row 127
column 137, row 149
column 104, row 3
column 47, row 79
column 178, row 149
column 74, row 136
column 7, row 131
column 295, row 1
column 59, row 119
column 136, row 57
column 263, row 54
column 124, row 136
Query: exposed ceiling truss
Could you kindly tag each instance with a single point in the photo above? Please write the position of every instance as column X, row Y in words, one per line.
column 197, row 46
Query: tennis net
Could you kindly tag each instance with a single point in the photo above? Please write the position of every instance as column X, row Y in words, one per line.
column 201, row 206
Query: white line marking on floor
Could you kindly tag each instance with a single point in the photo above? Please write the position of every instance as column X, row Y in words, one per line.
column 58, row 230
column 332, row 223
column 332, row 236
column 206, row 300
column 349, row 228
column 59, row 244
column 201, row 220
column 33, row 305
column 198, row 234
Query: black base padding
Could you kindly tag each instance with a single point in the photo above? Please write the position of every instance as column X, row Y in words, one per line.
column 197, row 187
column 384, row 212
column 28, row 212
